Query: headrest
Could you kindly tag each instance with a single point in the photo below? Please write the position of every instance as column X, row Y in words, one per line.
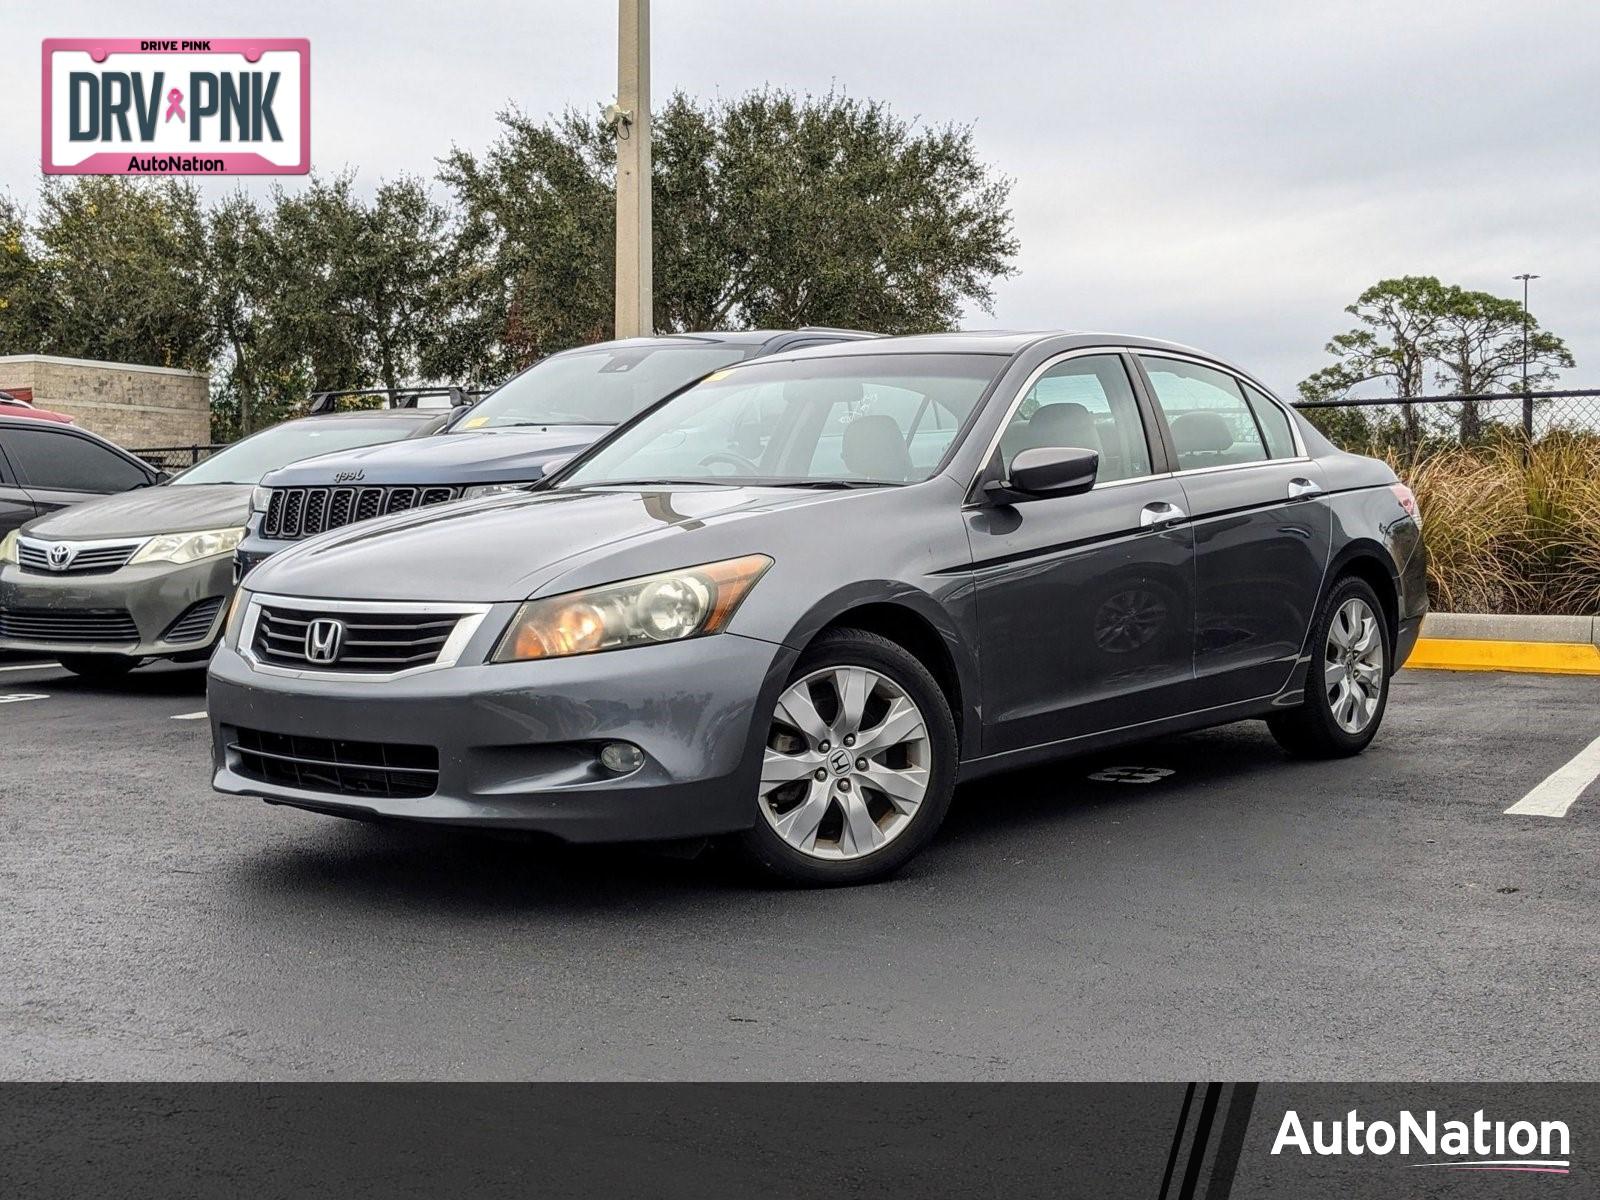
column 1201, row 433
column 874, row 448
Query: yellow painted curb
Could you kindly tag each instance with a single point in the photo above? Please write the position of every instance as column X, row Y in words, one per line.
column 1469, row 654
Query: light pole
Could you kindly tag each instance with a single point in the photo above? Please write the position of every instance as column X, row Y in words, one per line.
column 629, row 119
column 1527, row 399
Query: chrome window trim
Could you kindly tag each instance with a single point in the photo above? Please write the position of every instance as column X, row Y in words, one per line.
column 1240, row 376
column 470, row 616
column 1022, row 394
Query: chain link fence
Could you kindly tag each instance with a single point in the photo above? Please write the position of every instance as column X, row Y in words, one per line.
column 176, row 458
column 1418, row 425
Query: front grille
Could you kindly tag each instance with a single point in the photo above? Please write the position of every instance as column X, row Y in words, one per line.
column 89, row 560
column 377, row 642
column 67, row 625
column 294, row 513
column 195, row 622
column 342, row 768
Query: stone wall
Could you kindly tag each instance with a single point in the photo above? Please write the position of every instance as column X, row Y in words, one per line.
column 134, row 406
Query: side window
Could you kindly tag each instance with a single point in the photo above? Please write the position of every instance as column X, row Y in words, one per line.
column 1211, row 424
column 1088, row 403
column 46, row 459
column 1274, row 423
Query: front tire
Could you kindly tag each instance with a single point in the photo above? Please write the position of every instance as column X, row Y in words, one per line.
column 99, row 668
column 1347, row 686
column 859, row 765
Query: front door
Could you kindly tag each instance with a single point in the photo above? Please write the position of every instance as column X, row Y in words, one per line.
column 1262, row 531
column 1083, row 601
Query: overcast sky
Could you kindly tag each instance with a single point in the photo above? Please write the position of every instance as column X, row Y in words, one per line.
column 1224, row 174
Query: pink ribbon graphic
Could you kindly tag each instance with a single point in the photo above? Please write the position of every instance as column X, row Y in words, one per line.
column 175, row 105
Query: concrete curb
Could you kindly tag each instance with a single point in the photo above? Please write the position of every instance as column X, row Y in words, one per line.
column 1498, row 642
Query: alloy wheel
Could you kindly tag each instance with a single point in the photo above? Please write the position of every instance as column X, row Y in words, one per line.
column 846, row 764
column 1353, row 669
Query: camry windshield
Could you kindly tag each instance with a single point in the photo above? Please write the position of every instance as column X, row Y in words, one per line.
column 249, row 460
column 856, row 420
column 596, row 387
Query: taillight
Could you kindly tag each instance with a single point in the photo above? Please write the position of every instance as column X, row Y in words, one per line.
column 1408, row 501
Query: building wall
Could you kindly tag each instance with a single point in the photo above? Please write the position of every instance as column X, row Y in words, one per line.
column 134, row 406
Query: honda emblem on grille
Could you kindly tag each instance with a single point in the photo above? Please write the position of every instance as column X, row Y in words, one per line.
column 60, row 556
column 324, row 638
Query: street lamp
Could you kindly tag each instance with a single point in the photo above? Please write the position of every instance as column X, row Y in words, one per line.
column 1527, row 398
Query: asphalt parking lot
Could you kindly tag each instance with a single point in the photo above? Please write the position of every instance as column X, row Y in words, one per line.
column 1241, row 916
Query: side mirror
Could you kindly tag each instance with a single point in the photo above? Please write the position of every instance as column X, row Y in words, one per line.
column 456, row 413
column 555, row 464
column 1047, row 471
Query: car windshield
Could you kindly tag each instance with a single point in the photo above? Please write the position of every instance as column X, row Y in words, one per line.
column 856, row 420
column 249, row 460
column 604, row 386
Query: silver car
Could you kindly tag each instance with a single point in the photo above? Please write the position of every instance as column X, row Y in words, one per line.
column 119, row 580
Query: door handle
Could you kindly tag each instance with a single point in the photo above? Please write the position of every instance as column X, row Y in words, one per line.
column 1159, row 514
column 1303, row 489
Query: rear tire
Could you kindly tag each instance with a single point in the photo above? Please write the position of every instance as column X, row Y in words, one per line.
column 859, row 765
column 99, row 668
column 1347, row 685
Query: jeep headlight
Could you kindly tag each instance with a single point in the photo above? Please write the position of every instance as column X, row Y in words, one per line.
column 8, row 548
column 260, row 498
column 490, row 489
column 187, row 547
column 667, row 607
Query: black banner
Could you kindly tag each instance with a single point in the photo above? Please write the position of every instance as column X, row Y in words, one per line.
column 1153, row 1141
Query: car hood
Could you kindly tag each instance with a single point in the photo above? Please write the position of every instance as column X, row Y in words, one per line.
column 143, row 512
column 484, row 456
column 510, row 547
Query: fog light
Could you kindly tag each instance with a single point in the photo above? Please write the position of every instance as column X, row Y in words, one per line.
column 621, row 757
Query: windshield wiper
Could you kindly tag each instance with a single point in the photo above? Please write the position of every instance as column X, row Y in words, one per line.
column 829, row 484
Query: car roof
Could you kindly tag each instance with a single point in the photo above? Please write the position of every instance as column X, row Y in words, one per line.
column 996, row 341
column 725, row 337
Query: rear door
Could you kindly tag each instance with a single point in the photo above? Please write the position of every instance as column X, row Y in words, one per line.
column 16, row 506
column 1262, row 531
column 59, row 467
column 1083, row 601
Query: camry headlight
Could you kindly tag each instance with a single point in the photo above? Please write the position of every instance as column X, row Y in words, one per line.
column 187, row 547
column 635, row 612
column 260, row 498
column 8, row 547
column 490, row 489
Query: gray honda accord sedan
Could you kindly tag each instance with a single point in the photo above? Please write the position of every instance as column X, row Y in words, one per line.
column 797, row 603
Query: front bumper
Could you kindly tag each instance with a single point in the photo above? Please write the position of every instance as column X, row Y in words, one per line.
column 517, row 743
column 154, row 596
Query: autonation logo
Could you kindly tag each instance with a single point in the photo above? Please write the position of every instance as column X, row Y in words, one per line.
column 1476, row 1145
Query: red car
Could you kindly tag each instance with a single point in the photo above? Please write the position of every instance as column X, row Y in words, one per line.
column 10, row 406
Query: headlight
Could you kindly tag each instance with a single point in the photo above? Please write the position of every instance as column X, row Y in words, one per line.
column 260, row 498
column 230, row 627
column 636, row 612
column 187, row 547
column 8, row 547
column 490, row 489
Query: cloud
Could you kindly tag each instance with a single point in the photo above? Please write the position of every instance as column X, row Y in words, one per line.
column 1229, row 175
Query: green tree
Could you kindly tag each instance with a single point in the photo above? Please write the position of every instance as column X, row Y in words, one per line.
column 770, row 209
column 1478, row 348
column 21, row 294
column 1470, row 341
column 121, row 272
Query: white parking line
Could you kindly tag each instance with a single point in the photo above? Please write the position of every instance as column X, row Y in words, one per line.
column 19, row 697
column 28, row 666
column 1555, row 795
column 195, row 716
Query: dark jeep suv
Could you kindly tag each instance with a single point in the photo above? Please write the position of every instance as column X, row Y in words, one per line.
column 545, row 415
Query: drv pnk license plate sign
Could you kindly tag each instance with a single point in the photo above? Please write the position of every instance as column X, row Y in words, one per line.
column 177, row 106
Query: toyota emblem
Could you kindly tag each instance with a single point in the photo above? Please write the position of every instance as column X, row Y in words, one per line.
column 324, row 638
column 60, row 556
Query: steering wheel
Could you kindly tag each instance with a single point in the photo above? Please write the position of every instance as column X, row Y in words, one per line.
column 738, row 461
